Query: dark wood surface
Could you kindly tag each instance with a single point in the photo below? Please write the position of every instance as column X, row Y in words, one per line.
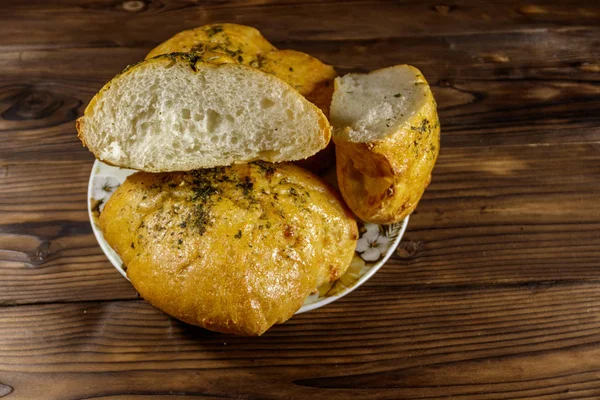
column 493, row 294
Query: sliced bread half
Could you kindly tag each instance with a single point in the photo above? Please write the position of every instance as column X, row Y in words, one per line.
column 179, row 112
column 245, row 45
column 387, row 137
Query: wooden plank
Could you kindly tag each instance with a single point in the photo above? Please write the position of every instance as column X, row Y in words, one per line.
column 107, row 22
column 500, row 215
column 493, row 294
column 498, row 343
column 545, row 55
column 549, row 90
column 48, row 252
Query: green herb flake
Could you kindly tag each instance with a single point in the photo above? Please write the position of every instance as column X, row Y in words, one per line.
column 265, row 167
column 201, row 218
column 247, row 185
column 213, row 30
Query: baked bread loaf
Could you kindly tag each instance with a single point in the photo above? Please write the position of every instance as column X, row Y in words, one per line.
column 245, row 45
column 180, row 112
column 234, row 249
column 233, row 43
column 387, row 137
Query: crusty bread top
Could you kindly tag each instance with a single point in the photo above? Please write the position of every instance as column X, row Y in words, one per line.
column 373, row 106
column 233, row 249
column 243, row 43
column 180, row 112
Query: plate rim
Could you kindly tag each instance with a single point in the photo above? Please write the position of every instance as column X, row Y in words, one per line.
column 110, row 253
column 362, row 279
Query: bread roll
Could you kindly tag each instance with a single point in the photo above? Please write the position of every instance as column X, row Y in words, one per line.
column 179, row 112
column 245, row 45
column 387, row 137
column 233, row 43
column 234, row 249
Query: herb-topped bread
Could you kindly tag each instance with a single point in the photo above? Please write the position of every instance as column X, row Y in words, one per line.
column 387, row 139
column 180, row 112
column 233, row 43
column 245, row 45
column 234, row 249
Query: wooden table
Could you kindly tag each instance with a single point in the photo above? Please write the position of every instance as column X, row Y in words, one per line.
column 493, row 294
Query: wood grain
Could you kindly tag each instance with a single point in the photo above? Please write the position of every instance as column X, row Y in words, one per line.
column 101, row 22
column 43, row 91
column 492, row 294
column 495, row 343
column 47, row 249
column 487, row 219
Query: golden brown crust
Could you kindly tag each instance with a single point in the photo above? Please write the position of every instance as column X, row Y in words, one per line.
column 79, row 128
column 228, row 39
column 383, row 181
column 245, row 45
column 234, row 249
column 309, row 76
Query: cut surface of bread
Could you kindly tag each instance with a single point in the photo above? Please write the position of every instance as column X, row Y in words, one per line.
column 245, row 45
column 387, row 135
column 241, row 44
column 370, row 107
column 179, row 112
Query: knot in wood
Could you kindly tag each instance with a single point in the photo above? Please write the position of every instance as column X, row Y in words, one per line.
column 443, row 8
column 497, row 58
column 41, row 253
column 409, row 249
column 133, row 6
column 531, row 9
column 33, row 104
column 5, row 390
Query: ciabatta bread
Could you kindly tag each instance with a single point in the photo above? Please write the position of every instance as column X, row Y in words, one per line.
column 178, row 112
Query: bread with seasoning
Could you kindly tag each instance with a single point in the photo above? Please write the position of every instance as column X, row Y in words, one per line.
column 387, row 137
column 246, row 45
column 179, row 112
column 233, row 249
column 233, row 43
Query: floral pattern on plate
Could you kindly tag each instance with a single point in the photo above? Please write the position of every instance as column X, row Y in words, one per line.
column 375, row 245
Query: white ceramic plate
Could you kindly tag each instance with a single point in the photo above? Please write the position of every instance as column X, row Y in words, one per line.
column 375, row 245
